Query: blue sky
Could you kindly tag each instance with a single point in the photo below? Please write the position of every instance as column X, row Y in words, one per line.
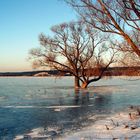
column 21, row 22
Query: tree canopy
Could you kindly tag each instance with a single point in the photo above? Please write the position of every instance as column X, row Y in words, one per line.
column 116, row 16
column 75, row 48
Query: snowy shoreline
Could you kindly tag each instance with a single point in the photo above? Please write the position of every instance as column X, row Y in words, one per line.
column 119, row 126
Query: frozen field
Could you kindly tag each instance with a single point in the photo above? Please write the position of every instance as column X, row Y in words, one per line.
column 47, row 103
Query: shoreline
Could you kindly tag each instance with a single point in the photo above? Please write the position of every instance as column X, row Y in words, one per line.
column 122, row 125
column 58, row 77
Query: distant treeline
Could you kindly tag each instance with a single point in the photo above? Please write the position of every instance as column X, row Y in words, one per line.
column 123, row 71
column 29, row 73
column 112, row 71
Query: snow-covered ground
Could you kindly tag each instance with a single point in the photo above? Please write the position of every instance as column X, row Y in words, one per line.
column 120, row 126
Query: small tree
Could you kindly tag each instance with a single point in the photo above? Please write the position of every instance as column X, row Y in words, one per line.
column 77, row 49
column 115, row 16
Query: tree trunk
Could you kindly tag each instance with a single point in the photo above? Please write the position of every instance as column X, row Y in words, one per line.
column 132, row 44
column 84, row 85
column 77, row 83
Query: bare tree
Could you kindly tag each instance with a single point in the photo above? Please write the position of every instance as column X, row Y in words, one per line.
column 127, row 56
column 129, row 60
column 115, row 16
column 77, row 49
column 132, row 9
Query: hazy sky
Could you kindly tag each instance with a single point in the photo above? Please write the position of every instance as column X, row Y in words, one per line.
column 21, row 22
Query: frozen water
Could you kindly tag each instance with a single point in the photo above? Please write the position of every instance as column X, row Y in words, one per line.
column 28, row 103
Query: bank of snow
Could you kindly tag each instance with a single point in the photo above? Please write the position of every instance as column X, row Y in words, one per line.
column 121, row 126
